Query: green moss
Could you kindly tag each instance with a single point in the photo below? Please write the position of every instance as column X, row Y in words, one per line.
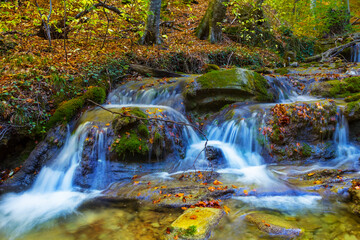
column 306, row 150
column 353, row 98
column 261, row 86
column 282, row 71
column 211, row 67
column 68, row 109
column 96, row 94
column 157, row 137
column 143, row 131
column 190, row 231
column 130, row 143
column 244, row 80
column 348, row 87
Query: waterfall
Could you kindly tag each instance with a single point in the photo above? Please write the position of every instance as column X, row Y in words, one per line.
column 345, row 149
column 355, row 53
column 237, row 141
column 52, row 194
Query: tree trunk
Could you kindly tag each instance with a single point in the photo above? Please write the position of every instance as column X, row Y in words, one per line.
column 152, row 29
column 210, row 26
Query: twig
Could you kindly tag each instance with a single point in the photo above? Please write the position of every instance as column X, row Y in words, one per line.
column 161, row 120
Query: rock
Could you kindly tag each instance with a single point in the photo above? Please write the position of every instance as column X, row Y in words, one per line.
column 215, row 89
column 273, row 225
column 43, row 152
column 354, row 192
column 179, row 191
column 195, row 223
column 294, row 64
column 213, row 153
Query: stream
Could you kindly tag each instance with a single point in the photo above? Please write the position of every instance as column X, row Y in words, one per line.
column 61, row 205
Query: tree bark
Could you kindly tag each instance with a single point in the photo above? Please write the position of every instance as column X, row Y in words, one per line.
column 210, row 26
column 152, row 28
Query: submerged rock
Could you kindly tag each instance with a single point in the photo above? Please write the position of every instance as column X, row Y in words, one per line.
column 195, row 223
column 273, row 225
column 218, row 88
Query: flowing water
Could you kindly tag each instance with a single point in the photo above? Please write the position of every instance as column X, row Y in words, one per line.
column 355, row 53
column 50, row 209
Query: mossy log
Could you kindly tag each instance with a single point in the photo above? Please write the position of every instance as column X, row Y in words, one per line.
column 152, row 72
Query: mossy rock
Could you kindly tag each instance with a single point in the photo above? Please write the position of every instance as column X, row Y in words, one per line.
column 138, row 139
column 282, row 71
column 195, row 223
column 68, row 109
column 348, row 87
column 218, row 88
column 274, row 225
column 352, row 111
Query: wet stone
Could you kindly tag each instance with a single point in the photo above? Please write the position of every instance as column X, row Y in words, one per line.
column 273, row 225
column 195, row 223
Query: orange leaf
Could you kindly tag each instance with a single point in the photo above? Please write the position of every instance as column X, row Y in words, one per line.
column 211, row 189
column 183, row 208
column 226, row 209
column 234, row 186
column 193, row 217
column 216, row 182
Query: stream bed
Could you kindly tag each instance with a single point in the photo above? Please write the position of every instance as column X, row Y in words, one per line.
column 71, row 197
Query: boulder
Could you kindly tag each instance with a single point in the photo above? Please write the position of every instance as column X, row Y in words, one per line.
column 195, row 223
column 273, row 225
column 215, row 89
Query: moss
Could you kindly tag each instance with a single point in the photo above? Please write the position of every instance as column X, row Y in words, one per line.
column 130, row 143
column 143, row 131
column 306, row 150
column 261, row 86
column 347, row 87
column 68, row 109
column 211, row 67
column 353, row 98
column 157, row 137
column 96, row 94
column 190, row 231
column 282, row 71
column 244, row 80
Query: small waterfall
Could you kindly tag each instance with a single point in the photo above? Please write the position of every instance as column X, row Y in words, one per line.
column 355, row 53
column 171, row 97
column 53, row 193
column 345, row 149
column 237, row 141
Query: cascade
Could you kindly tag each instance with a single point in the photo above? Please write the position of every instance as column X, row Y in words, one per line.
column 355, row 53
column 345, row 150
column 52, row 194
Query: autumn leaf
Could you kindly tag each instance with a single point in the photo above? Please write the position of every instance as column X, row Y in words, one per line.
column 234, row 186
column 226, row 209
column 211, row 189
column 193, row 217
column 216, row 182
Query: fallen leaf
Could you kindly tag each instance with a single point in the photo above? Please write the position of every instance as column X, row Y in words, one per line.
column 216, row 182
column 193, row 217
